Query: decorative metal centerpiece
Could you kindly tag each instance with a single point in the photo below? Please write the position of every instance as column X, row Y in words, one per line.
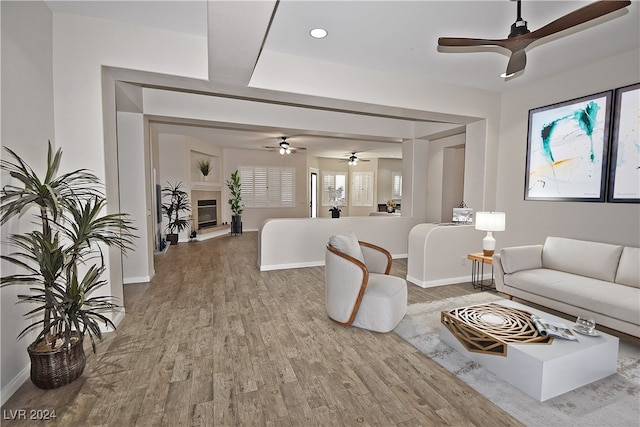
column 488, row 328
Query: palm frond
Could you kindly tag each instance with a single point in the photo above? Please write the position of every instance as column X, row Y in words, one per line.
column 74, row 230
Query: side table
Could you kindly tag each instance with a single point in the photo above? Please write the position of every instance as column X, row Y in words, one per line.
column 477, row 271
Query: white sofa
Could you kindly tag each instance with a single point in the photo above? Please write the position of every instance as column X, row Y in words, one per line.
column 575, row 277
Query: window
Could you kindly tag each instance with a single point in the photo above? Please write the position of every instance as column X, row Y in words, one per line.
column 267, row 186
column 362, row 189
column 334, row 189
column 396, row 185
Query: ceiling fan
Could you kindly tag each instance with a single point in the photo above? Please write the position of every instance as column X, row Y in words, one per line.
column 353, row 159
column 284, row 147
column 520, row 37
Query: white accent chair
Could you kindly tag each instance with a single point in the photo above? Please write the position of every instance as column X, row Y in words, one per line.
column 359, row 289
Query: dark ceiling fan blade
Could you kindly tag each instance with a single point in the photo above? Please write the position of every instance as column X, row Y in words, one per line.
column 517, row 62
column 462, row 42
column 518, row 41
column 579, row 16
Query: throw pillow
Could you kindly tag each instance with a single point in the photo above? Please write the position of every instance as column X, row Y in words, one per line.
column 347, row 244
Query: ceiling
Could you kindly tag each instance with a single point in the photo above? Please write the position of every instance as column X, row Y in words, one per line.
column 397, row 37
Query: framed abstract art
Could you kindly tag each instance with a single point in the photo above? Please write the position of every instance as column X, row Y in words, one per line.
column 624, row 172
column 567, row 150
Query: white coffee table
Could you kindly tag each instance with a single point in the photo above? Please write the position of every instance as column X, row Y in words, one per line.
column 544, row 371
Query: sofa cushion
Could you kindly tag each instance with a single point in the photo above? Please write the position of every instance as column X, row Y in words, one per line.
column 348, row 244
column 521, row 258
column 589, row 259
column 613, row 300
column 629, row 267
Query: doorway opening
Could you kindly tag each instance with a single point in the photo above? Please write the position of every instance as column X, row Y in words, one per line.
column 313, row 192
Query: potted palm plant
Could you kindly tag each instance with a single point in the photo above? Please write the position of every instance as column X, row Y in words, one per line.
column 61, row 262
column 175, row 209
column 235, row 202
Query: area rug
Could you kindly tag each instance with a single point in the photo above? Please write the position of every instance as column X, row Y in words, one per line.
column 612, row 401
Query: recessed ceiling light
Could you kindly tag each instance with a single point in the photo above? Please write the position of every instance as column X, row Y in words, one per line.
column 318, row 33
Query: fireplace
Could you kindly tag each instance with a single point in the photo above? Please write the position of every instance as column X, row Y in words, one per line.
column 207, row 213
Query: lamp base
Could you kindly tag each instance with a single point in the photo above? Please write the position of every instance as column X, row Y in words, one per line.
column 487, row 252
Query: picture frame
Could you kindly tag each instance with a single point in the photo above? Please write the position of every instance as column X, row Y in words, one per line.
column 462, row 215
column 567, row 147
column 624, row 169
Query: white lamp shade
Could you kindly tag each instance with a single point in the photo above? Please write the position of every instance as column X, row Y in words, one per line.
column 490, row 221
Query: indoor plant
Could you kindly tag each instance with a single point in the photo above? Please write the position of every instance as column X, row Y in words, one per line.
column 335, row 197
column 175, row 210
column 391, row 206
column 235, row 202
column 205, row 167
column 70, row 233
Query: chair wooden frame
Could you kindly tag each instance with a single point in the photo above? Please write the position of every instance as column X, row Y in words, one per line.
column 365, row 277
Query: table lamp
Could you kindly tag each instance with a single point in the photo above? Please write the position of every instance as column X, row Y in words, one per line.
column 489, row 222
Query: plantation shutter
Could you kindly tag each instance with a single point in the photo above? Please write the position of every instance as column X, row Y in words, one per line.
column 273, row 187
column 362, row 189
column 260, row 186
column 287, row 187
column 246, row 185
column 396, row 185
column 267, row 186
column 330, row 182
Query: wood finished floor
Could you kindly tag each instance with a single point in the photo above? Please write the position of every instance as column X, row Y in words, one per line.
column 213, row 341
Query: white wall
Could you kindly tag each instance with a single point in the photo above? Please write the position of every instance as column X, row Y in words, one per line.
column 307, row 238
column 453, row 181
column 26, row 83
column 133, row 162
column 81, row 47
column 174, row 168
column 443, row 100
column 438, row 254
column 386, row 168
column 252, row 218
column 436, row 170
column 415, row 154
column 532, row 221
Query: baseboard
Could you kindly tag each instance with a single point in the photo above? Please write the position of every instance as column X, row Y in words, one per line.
column 15, row 384
column 399, row 256
column 164, row 251
column 130, row 280
column 439, row 282
column 292, row 265
column 118, row 318
column 308, row 264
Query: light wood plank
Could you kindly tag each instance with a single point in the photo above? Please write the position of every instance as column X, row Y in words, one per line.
column 212, row 341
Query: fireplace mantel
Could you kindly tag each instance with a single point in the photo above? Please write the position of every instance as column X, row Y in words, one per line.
column 206, row 186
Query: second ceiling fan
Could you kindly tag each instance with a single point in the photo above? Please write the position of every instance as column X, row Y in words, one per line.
column 353, row 159
column 284, row 147
column 520, row 37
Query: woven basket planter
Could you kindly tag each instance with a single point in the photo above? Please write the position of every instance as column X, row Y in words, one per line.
column 56, row 368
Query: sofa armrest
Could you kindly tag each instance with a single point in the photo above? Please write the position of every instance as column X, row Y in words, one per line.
column 498, row 272
column 519, row 258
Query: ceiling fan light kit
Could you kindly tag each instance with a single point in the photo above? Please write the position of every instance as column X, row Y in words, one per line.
column 520, row 37
column 284, row 146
